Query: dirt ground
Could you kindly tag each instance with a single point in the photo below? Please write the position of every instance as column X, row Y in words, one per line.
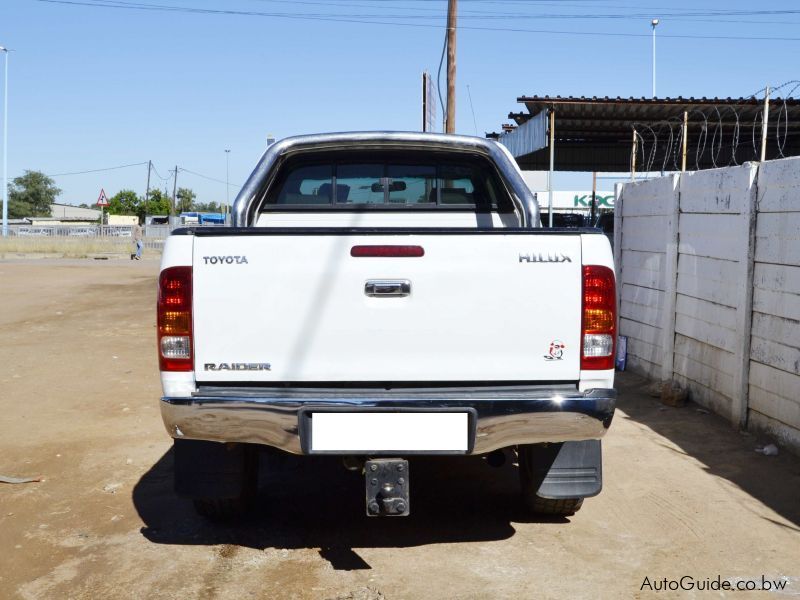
column 685, row 495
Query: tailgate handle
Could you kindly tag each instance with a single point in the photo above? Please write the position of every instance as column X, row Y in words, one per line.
column 387, row 288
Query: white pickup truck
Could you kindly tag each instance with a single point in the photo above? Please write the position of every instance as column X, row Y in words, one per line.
column 380, row 296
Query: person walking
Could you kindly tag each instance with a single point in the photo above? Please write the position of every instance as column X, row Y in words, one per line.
column 137, row 239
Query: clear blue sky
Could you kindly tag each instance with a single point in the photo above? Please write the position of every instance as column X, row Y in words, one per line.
column 94, row 87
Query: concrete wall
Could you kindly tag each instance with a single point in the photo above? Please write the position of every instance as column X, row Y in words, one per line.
column 640, row 251
column 774, row 383
column 709, row 271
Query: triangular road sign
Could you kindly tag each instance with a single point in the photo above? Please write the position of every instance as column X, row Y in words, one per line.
column 103, row 199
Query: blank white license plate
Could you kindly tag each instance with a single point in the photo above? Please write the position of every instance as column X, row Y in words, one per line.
column 389, row 431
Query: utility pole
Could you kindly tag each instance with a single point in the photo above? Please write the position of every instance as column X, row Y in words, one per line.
column 174, row 190
column 450, row 125
column 5, row 51
column 147, row 191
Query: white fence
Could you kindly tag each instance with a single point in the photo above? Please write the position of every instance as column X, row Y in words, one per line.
column 709, row 272
column 70, row 230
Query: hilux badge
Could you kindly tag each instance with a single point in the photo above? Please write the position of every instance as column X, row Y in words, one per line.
column 534, row 257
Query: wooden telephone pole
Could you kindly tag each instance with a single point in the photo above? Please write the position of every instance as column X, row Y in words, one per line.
column 450, row 123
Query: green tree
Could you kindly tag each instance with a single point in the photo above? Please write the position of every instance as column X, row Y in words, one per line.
column 158, row 203
column 31, row 194
column 124, row 202
column 184, row 200
column 208, row 207
column 127, row 202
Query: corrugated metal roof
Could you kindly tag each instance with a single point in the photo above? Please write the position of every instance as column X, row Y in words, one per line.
column 595, row 134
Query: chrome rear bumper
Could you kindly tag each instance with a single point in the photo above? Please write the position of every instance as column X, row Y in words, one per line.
column 503, row 416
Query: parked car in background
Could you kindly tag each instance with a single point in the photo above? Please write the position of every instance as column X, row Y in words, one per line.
column 605, row 221
column 82, row 232
column 35, row 231
column 566, row 220
column 120, row 232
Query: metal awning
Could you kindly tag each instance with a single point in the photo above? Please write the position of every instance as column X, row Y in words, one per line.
column 596, row 134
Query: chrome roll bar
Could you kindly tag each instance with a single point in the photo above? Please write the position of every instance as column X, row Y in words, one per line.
column 243, row 211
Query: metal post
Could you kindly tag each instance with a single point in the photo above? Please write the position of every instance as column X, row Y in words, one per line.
column 227, row 187
column 147, row 191
column 552, row 165
column 451, row 67
column 593, row 209
column 685, row 140
column 424, row 99
column 633, row 158
column 5, row 146
column 654, row 22
column 765, row 122
column 175, row 191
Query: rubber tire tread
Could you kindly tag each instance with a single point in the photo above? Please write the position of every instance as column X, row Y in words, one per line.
column 231, row 509
column 537, row 504
column 221, row 509
column 550, row 506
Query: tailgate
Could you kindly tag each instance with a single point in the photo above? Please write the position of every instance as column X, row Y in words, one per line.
column 482, row 306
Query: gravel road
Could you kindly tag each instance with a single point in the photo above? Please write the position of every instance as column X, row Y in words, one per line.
column 685, row 495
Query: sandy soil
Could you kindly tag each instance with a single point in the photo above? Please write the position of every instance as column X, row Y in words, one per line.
column 684, row 493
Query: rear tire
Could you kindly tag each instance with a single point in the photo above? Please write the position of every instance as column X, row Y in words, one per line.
column 220, row 479
column 530, row 481
column 236, row 507
column 222, row 509
column 549, row 506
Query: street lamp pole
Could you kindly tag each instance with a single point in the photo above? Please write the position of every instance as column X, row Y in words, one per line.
column 653, row 23
column 5, row 145
column 227, row 177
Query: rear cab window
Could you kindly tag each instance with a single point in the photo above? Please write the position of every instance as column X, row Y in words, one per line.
column 381, row 180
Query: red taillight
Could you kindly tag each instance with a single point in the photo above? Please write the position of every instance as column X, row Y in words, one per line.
column 389, row 251
column 599, row 320
column 174, row 310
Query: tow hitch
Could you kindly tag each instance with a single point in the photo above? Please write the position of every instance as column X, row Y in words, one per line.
column 387, row 487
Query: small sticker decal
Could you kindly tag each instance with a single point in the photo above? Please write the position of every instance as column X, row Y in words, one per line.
column 556, row 351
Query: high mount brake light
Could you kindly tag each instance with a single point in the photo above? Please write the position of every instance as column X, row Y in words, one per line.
column 599, row 318
column 387, row 251
column 174, row 311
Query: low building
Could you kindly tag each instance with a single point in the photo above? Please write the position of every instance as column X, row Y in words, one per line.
column 54, row 221
column 70, row 213
column 122, row 220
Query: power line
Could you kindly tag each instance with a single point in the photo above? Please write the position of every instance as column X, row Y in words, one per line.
column 439, row 79
column 159, row 174
column 472, row 108
column 98, row 170
column 119, row 4
column 184, row 170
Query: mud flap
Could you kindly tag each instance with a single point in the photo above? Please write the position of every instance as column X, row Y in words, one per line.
column 567, row 469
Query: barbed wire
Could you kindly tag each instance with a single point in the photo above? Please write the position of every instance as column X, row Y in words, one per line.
column 714, row 132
